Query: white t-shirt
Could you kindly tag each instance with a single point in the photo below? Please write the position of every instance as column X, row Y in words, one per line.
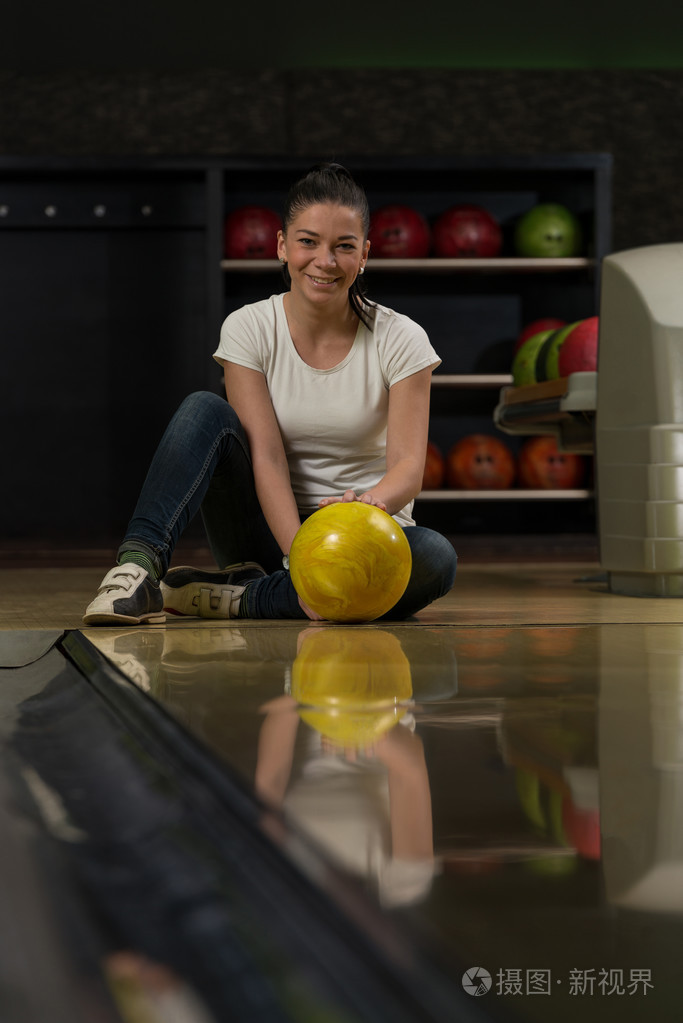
column 333, row 421
column 345, row 808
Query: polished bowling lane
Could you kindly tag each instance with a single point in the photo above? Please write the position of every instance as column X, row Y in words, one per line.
column 511, row 797
column 475, row 815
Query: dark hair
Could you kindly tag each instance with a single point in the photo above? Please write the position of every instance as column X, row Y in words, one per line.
column 331, row 183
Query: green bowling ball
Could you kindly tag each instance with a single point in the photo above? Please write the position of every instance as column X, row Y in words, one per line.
column 548, row 231
column 547, row 362
column 524, row 362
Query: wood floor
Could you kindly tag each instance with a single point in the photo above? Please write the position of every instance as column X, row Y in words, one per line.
column 44, row 595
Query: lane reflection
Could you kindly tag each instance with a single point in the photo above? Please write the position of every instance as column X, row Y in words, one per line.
column 322, row 721
column 460, row 750
column 641, row 776
column 518, row 789
column 362, row 790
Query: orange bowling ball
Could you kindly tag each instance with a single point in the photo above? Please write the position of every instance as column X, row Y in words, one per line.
column 542, row 466
column 435, row 468
column 350, row 562
column 480, row 462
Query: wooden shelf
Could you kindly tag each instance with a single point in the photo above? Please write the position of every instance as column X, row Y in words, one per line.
column 504, row 495
column 510, row 264
column 434, row 265
column 472, row 380
column 582, row 386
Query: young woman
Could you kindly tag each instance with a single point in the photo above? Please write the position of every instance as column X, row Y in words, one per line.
column 327, row 400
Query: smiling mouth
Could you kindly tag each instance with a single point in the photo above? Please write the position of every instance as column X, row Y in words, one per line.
column 323, row 281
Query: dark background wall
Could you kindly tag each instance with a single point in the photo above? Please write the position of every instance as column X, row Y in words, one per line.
column 634, row 114
column 375, row 78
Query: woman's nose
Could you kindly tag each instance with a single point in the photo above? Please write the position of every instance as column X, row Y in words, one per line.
column 326, row 257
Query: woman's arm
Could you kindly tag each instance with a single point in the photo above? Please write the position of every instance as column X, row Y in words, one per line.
column 407, row 431
column 410, row 799
column 247, row 392
column 275, row 750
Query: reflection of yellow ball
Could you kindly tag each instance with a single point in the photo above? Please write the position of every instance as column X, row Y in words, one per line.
column 352, row 684
column 350, row 562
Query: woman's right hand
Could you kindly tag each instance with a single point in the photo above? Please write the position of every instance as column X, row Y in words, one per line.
column 350, row 495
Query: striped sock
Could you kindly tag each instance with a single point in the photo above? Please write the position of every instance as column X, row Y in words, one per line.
column 242, row 612
column 136, row 558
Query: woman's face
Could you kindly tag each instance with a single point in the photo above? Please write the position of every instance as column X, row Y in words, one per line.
column 324, row 247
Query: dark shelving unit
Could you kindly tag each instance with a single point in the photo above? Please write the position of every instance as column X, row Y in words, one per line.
column 116, row 287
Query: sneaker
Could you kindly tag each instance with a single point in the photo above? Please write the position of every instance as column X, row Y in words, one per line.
column 127, row 596
column 136, row 653
column 199, row 594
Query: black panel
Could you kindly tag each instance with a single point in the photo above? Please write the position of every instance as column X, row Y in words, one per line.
column 103, row 334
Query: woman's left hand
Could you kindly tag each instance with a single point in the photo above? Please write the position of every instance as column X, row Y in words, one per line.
column 350, row 495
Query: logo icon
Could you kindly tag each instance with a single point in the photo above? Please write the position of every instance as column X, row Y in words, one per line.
column 476, row 981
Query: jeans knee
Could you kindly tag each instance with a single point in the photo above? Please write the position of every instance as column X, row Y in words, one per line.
column 205, row 411
column 450, row 562
column 444, row 556
column 434, row 558
column 200, row 403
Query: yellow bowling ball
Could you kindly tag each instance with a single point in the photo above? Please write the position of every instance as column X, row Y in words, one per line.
column 350, row 562
column 352, row 685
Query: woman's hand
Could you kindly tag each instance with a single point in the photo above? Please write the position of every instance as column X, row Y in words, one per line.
column 350, row 495
column 313, row 615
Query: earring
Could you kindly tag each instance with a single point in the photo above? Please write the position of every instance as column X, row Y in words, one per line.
column 361, row 270
column 282, row 259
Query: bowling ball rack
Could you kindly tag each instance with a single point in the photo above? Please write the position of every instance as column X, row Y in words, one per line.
column 564, row 408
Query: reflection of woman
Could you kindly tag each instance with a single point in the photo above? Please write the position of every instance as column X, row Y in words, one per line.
column 328, row 400
column 367, row 801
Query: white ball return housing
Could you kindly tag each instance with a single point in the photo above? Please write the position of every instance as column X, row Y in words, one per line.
column 639, row 421
column 630, row 415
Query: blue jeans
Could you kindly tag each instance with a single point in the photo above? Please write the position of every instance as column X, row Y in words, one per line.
column 203, row 464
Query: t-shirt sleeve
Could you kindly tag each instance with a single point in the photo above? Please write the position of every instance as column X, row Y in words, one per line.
column 405, row 349
column 242, row 340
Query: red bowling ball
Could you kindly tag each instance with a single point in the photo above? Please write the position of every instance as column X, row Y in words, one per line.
column 579, row 351
column 399, row 232
column 467, row 232
column 251, row 233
